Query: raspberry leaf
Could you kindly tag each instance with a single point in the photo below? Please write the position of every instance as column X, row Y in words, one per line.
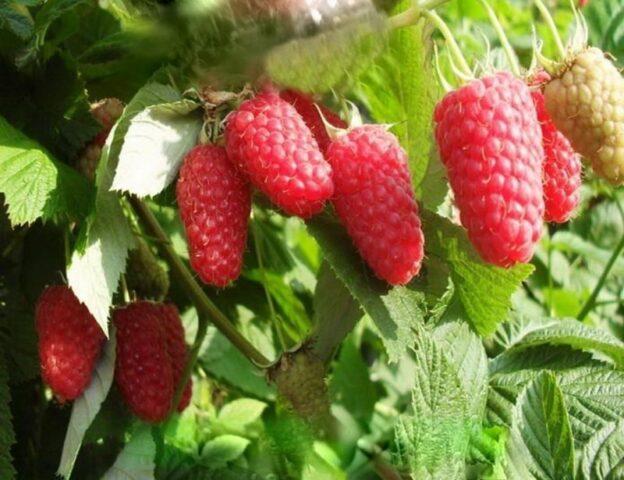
column 399, row 91
column 155, row 144
column 541, row 444
column 484, row 290
column 100, row 258
column 86, row 407
column 222, row 450
column 432, row 442
column 136, row 460
column 35, row 184
column 394, row 311
column 602, row 455
column 570, row 333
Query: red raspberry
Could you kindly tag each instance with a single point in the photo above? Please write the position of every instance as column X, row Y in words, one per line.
column 375, row 201
column 307, row 108
column 149, row 358
column 70, row 342
column 562, row 165
column 491, row 144
column 269, row 141
column 106, row 112
column 176, row 346
column 215, row 202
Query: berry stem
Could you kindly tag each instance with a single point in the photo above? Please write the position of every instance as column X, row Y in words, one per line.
column 550, row 23
column 410, row 17
column 512, row 58
column 456, row 52
column 207, row 311
column 591, row 301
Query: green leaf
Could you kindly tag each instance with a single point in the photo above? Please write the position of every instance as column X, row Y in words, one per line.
column 226, row 363
column 399, row 90
column 602, row 455
column 484, row 290
column 465, row 351
column 394, row 311
column 432, row 442
column 136, row 460
column 86, row 407
column 97, row 265
column 541, row 438
column 15, row 19
column 571, row 333
column 240, row 413
column 154, row 146
column 7, row 436
column 350, row 384
column 223, row 449
column 335, row 313
column 35, row 185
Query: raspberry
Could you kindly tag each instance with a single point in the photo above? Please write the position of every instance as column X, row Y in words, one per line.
column 70, row 342
column 106, row 112
column 586, row 102
column 144, row 274
column 300, row 381
column 150, row 357
column 562, row 166
column 269, row 141
column 491, row 144
column 308, row 110
column 375, row 201
column 176, row 346
column 215, row 202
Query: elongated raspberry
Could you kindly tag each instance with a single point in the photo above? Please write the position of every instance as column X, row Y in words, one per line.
column 106, row 111
column 150, row 358
column 562, row 165
column 375, row 201
column 176, row 346
column 307, row 108
column 215, row 202
column 586, row 102
column 491, row 144
column 70, row 342
column 269, row 141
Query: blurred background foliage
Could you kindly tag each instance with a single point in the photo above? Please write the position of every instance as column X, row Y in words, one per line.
column 57, row 57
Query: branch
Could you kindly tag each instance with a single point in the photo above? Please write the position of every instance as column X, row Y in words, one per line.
column 591, row 301
column 206, row 310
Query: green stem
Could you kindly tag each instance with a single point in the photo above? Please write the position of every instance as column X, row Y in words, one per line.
column 409, row 17
column 437, row 21
column 591, row 301
column 550, row 23
column 206, row 310
column 509, row 51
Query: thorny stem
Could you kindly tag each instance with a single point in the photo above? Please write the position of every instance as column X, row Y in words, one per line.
column 509, row 51
column 206, row 310
column 258, row 248
column 550, row 23
column 591, row 301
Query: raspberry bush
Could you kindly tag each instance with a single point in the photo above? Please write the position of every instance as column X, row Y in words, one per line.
column 311, row 240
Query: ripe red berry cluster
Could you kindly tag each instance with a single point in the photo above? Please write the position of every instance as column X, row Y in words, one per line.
column 151, row 351
column 151, row 356
column 278, row 142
